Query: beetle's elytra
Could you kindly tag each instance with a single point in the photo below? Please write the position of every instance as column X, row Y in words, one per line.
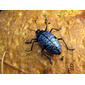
column 48, row 42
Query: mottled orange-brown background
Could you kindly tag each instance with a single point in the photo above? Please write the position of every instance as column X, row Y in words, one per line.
column 18, row 26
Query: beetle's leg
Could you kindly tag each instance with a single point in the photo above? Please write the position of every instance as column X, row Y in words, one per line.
column 46, row 56
column 65, row 44
column 55, row 29
column 31, row 47
column 46, row 24
column 35, row 40
column 27, row 42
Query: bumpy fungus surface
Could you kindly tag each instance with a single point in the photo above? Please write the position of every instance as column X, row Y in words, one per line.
column 18, row 26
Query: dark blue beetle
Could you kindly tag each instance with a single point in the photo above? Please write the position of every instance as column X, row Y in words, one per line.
column 48, row 42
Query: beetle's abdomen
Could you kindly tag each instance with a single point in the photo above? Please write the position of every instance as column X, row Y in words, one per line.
column 49, row 42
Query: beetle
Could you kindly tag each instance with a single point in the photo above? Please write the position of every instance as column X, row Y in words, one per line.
column 47, row 41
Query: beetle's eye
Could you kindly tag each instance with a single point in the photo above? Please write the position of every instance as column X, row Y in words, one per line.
column 54, row 36
column 49, row 23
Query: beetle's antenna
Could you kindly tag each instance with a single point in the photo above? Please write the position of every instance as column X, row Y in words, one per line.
column 36, row 24
column 46, row 24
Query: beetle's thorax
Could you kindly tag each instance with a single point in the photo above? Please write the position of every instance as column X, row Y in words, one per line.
column 39, row 32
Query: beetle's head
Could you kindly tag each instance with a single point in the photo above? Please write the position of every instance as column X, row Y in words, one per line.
column 38, row 33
